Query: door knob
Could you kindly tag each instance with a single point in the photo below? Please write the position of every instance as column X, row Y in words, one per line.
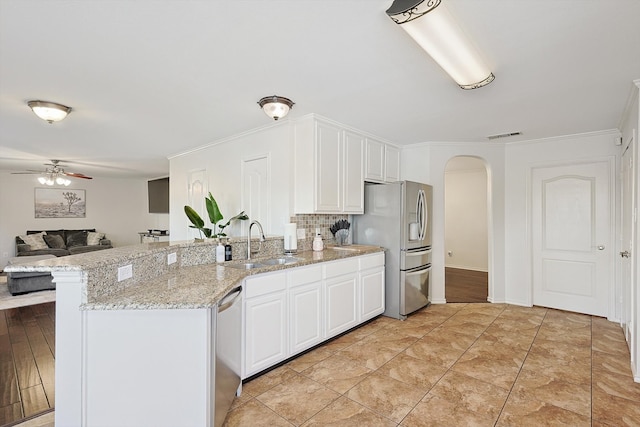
column 600, row 247
column 625, row 254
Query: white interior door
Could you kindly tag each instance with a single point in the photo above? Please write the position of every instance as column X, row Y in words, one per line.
column 628, row 208
column 572, row 237
column 256, row 192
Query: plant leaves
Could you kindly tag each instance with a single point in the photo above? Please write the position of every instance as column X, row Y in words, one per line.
column 194, row 217
column 212, row 209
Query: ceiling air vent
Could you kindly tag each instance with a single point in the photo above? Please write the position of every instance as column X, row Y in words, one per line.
column 504, row 135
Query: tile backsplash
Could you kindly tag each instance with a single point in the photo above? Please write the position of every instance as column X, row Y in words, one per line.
column 309, row 222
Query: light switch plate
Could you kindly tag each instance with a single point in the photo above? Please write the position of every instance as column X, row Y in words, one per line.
column 171, row 258
column 125, row 272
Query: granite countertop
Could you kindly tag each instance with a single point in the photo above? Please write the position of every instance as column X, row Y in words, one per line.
column 202, row 286
column 185, row 287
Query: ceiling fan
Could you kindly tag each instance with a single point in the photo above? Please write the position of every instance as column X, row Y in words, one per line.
column 54, row 174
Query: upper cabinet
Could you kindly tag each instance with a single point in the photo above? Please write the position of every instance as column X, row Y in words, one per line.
column 328, row 168
column 382, row 161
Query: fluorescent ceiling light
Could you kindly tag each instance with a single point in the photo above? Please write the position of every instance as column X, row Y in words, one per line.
column 431, row 25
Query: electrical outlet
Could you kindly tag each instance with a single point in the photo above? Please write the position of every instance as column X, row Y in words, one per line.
column 171, row 258
column 300, row 232
column 125, row 272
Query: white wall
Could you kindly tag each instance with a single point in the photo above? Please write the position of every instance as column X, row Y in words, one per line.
column 466, row 215
column 222, row 161
column 117, row 207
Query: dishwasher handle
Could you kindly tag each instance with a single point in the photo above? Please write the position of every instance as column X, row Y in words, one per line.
column 229, row 299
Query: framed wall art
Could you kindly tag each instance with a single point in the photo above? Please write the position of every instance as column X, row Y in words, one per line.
column 60, row 203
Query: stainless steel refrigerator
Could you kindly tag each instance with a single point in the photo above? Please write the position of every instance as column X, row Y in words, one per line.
column 397, row 216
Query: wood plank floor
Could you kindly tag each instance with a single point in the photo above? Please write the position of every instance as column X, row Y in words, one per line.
column 466, row 285
column 27, row 349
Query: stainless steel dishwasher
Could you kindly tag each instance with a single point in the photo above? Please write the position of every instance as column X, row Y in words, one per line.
column 228, row 352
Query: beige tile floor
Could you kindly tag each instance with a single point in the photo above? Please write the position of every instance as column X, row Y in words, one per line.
column 455, row 365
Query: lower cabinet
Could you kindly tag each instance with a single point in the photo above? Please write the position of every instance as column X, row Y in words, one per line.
column 266, row 322
column 290, row 311
column 371, row 278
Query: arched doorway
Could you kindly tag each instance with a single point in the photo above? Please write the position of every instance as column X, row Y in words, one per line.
column 466, row 230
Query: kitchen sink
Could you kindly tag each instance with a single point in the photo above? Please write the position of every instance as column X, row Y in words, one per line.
column 245, row 266
column 281, row 261
column 345, row 248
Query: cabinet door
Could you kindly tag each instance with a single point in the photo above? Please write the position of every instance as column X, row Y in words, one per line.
column 353, row 173
column 392, row 164
column 328, row 168
column 374, row 161
column 341, row 300
column 265, row 332
column 371, row 293
column 305, row 308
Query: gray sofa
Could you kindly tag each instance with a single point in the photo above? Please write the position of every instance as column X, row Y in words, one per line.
column 61, row 243
column 28, row 281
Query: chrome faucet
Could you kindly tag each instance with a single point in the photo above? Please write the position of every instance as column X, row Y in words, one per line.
column 262, row 238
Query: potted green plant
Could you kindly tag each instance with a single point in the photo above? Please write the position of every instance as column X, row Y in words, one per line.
column 215, row 217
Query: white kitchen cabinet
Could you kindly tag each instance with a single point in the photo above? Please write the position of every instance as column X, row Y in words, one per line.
column 382, row 161
column 305, row 308
column 328, row 171
column 341, row 293
column 353, row 173
column 290, row 311
column 371, row 279
column 374, row 160
column 391, row 163
column 266, row 318
column 341, row 309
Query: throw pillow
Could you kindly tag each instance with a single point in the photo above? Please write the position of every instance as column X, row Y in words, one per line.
column 94, row 238
column 35, row 241
column 78, row 238
column 54, row 241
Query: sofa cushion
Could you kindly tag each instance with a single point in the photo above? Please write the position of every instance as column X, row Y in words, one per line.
column 55, row 241
column 76, row 238
column 48, row 251
column 94, row 238
column 35, row 241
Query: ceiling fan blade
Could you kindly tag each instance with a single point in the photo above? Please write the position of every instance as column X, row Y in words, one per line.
column 77, row 175
column 26, row 173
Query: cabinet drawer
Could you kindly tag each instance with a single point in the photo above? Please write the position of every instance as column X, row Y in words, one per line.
column 303, row 275
column 371, row 261
column 261, row 285
column 338, row 268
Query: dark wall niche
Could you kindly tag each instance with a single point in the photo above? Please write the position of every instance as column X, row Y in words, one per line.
column 158, row 195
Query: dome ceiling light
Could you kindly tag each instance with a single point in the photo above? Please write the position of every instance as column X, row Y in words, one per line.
column 49, row 111
column 431, row 25
column 275, row 106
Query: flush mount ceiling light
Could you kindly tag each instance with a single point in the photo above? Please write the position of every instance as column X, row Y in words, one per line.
column 431, row 25
column 49, row 111
column 276, row 107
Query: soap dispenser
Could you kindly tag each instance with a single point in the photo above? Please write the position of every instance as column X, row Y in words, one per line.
column 220, row 252
column 318, row 244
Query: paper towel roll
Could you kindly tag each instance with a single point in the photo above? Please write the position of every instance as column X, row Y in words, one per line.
column 290, row 237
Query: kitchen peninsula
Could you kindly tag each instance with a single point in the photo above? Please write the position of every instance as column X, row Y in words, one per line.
column 141, row 350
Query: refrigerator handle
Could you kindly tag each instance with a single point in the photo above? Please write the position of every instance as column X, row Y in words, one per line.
column 418, row 253
column 421, row 210
column 418, row 272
